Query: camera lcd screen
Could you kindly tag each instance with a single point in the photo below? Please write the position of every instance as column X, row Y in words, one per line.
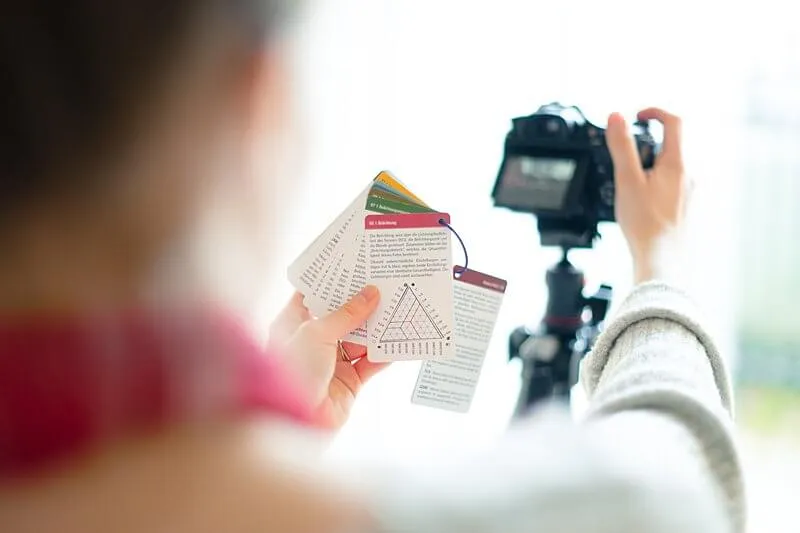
column 537, row 182
column 543, row 168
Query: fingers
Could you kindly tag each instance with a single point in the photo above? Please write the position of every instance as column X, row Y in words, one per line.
column 350, row 316
column 293, row 315
column 355, row 376
column 671, row 148
column 627, row 165
column 366, row 369
column 354, row 351
column 363, row 367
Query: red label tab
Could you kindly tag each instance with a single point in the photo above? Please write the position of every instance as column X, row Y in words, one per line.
column 479, row 279
column 406, row 221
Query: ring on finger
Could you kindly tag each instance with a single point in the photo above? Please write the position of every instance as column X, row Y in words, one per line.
column 343, row 354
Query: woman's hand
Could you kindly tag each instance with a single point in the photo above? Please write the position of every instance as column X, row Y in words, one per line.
column 312, row 347
column 649, row 204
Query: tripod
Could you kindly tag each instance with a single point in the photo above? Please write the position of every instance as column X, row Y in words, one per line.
column 551, row 353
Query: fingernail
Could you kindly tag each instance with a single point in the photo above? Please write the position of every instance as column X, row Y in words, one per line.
column 369, row 293
column 616, row 118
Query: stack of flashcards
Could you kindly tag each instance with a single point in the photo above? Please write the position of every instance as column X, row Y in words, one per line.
column 429, row 311
column 334, row 267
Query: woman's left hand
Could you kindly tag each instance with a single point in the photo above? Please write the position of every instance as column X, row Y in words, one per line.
column 312, row 347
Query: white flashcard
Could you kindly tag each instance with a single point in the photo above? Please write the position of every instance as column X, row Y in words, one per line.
column 309, row 272
column 409, row 259
column 451, row 384
column 334, row 267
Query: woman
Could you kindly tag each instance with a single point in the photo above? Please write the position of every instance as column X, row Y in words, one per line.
column 130, row 403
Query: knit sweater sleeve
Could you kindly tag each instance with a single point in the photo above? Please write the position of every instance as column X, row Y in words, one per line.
column 654, row 453
column 657, row 368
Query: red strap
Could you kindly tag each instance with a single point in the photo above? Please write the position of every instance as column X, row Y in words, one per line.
column 67, row 386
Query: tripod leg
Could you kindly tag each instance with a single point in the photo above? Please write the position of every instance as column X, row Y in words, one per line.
column 537, row 386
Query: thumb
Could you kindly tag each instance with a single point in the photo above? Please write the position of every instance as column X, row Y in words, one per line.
column 627, row 166
column 351, row 315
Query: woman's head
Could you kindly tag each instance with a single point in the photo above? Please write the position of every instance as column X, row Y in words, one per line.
column 116, row 121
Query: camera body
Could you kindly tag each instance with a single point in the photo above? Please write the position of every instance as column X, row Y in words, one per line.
column 557, row 166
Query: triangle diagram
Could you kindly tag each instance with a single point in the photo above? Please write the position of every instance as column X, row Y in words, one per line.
column 410, row 321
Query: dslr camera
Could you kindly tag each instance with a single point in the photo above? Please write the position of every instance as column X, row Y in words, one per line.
column 557, row 166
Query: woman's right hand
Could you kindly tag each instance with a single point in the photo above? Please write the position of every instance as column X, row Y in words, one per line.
column 649, row 203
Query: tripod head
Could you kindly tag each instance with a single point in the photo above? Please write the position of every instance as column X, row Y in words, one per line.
column 551, row 353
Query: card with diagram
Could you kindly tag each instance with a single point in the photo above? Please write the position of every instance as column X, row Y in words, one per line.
column 409, row 258
column 389, row 237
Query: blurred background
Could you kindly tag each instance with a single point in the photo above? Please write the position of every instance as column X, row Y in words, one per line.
column 426, row 90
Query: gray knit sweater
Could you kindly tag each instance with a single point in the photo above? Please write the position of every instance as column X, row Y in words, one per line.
column 655, row 454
